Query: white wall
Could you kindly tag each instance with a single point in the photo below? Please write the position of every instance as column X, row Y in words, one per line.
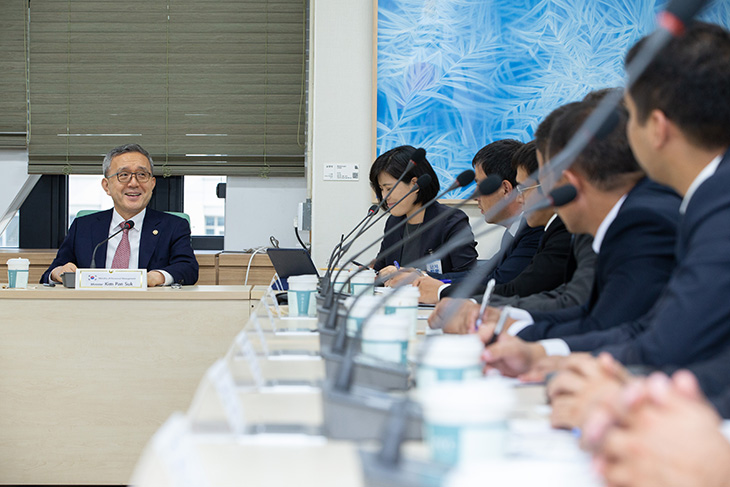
column 341, row 124
column 257, row 208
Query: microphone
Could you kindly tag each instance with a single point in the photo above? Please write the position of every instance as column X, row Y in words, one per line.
column 486, row 187
column 128, row 225
column 371, row 211
column 678, row 14
column 562, row 195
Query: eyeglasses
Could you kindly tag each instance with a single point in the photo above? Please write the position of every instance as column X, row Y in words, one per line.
column 521, row 191
column 125, row 176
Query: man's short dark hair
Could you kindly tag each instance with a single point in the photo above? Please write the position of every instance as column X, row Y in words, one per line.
column 496, row 158
column 394, row 162
column 526, row 158
column 123, row 149
column 542, row 134
column 608, row 162
column 689, row 81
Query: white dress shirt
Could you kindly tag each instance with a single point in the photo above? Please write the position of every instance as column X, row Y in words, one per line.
column 135, row 235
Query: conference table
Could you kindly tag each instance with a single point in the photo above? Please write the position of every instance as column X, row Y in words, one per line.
column 214, row 455
column 87, row 377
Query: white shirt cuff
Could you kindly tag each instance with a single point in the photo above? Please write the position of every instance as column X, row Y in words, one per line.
column 168, row 277
column 441, row 288
column 520, row 315
column 518, row 326
column 555, row 346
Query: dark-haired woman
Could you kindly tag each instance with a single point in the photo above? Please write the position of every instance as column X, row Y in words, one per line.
column 384, row 174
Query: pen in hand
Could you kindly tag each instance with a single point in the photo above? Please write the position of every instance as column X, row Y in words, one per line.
column 500, row 324
column 485, row 302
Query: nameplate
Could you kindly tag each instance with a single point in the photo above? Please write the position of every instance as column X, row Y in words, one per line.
column 111, row 279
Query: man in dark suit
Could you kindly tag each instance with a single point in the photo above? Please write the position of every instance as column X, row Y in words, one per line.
column 157, row 241
column 633, row 221
column 519, row 242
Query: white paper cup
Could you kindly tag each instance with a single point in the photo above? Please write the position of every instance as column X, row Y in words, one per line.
column 404, row 302
column 363, row 306
column 466, row 422
column 450, row 358
column 301, row 295
column 18, row 273
column 363, row 282
column 386, row 337
column 339, row 282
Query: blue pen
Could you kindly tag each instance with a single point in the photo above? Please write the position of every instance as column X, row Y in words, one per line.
column 445, row 281
column 396, row 264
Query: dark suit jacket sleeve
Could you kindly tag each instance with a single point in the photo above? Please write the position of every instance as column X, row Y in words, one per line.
column 65, row 253
column 463, row 257
column 573, row 293
column 636, row 267
column 722, row 404
column 692, row 319
column 180, row 262
column 546, row 269
column 518, row 259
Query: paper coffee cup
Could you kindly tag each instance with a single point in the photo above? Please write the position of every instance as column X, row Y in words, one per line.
column 363, row 282
column 358, row 309
column 386, row 337
column 450, row 358
column 18, row 270
column 467, row 422
column 301, row 295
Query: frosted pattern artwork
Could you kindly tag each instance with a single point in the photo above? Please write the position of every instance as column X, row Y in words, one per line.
column 454, row 75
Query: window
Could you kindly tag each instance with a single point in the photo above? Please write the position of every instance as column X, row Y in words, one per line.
column 85, row 193
column 11, row 236
column 206, row 210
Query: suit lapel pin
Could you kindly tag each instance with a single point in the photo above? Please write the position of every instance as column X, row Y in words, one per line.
column 155, row 232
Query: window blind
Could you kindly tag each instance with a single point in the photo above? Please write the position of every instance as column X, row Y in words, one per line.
column 207, row 87
column 13, row 106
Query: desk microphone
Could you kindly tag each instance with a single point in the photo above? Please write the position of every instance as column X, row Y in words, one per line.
column 419, row 155
column 128, row 225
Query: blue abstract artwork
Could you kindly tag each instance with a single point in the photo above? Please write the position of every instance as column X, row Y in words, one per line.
column 455, row 75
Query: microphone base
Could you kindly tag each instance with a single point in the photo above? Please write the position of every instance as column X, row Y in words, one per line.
column 361, row 414
column 369, row 372
column 407, row 473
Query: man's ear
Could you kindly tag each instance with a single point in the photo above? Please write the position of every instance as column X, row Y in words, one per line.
column 506, row 187
column 660, row 128
column 105, row 185
column 570, row 177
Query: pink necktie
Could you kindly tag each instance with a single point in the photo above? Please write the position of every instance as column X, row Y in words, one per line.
column 121, row 256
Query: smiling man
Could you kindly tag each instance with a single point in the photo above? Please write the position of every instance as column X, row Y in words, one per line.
column 158, row 242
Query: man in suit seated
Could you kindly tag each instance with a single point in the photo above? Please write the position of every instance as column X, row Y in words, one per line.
column 158, row 242
column 634, row 224
column 519, row 242
column 684, row 145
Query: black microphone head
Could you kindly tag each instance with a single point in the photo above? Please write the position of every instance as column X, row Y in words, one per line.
column 562, row 195
column 465, row 178
column 128, row 225
column 423, row 181
column 373, row 209
column 684, row 10
column 418, row 156
column 489, row 185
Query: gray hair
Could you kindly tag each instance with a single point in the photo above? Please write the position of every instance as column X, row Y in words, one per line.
column 122, row 149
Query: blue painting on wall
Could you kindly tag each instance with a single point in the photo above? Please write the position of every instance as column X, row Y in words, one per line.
column 455, row 75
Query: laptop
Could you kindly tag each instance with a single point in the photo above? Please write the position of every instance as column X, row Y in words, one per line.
column 291, row 262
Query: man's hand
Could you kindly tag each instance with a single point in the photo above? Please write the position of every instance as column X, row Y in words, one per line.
column 386, row 271
column 582, row 384
column 56, row 273
column 454, row 316
column 402, row 277
column 429, row 288
column 512, row 356
column 155, row 278
column 665, row 435
column 543, row 367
